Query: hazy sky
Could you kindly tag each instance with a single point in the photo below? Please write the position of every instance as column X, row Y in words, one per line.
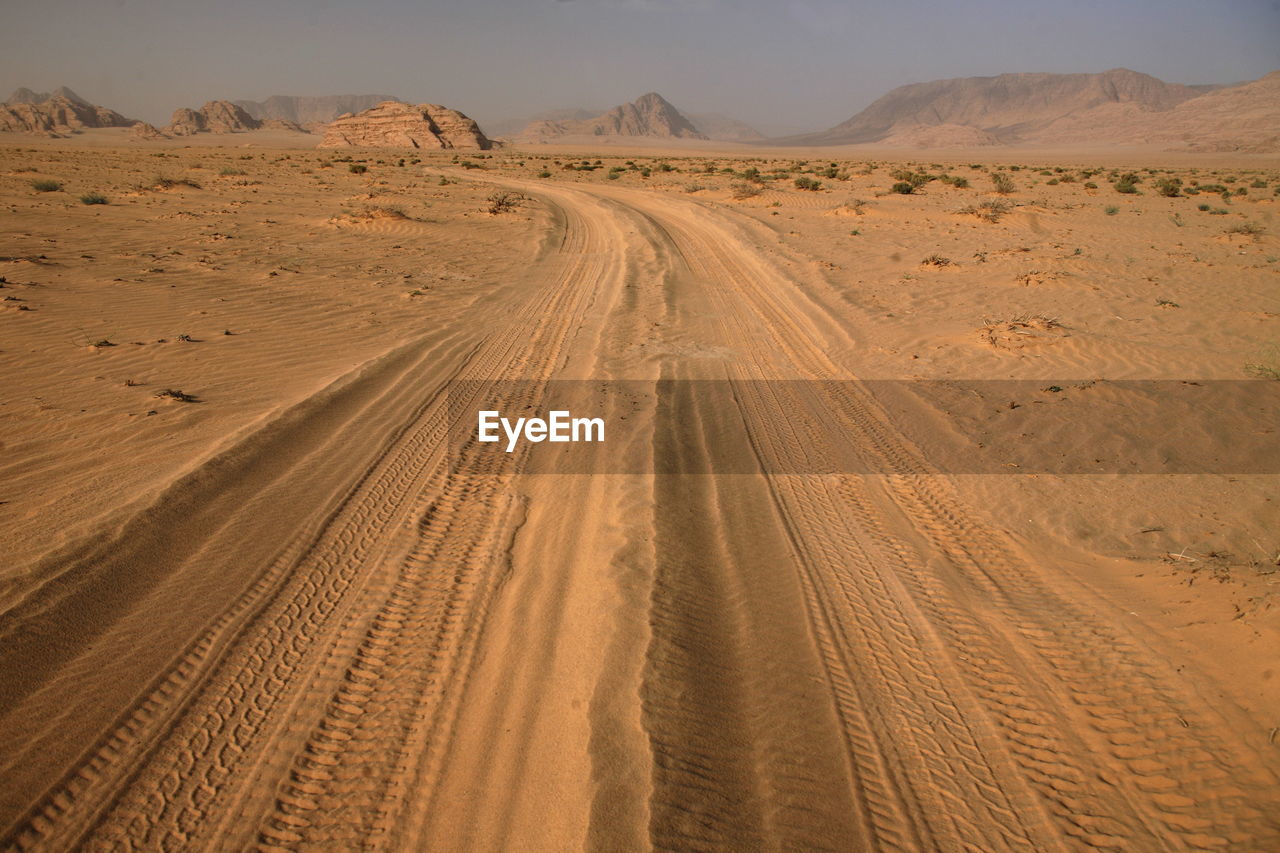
column 782, row 65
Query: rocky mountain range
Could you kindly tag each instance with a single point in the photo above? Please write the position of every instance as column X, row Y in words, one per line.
column 55, row 113
column 393, row 124
column 310, row 110
column 1117, row 106
column 649, row 115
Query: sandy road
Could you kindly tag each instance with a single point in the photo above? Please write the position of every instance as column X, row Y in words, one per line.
column 334, row 642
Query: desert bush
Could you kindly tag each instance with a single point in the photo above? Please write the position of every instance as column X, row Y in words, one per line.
column 1111, row 210
column 694, row 188
column 806, row 183
column 903, row 188
column 916, row 179
column 46, row 186
column 1248, row 229
column 357, row 168
column 1003, row 183
column 504, row 202
column 544, row 174
column 1090, row 185
column 743, row 190
column 93, row 198
column 987, row 211
column 1127, row 184
column 227, row 171
column 936, row 261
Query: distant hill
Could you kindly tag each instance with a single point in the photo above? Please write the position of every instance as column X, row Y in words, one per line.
column 1010, row 108
column 310, row 109
column 23, row 95
column 57, row 112
column 723, row 128
column 648, row 116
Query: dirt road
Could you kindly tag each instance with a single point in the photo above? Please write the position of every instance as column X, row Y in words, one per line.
column 326, row 639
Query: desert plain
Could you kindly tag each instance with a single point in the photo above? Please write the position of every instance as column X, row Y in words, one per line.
column 249, row 599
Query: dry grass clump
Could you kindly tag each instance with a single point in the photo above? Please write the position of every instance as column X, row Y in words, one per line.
column 1247, row 229
column 987, row 211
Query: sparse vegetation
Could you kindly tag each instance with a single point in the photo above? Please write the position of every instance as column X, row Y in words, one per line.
column 987, row 211
column 806, row 183
column 46, row 186
column 1247, row 229
column 93, row 198
column 357, row 168
column 176, row 394
column 1127, row 184
column 936, row 261
column 743, row 190
column 1169, row 187
column 504, row 202
column 1111, row 210
column 1002, row 183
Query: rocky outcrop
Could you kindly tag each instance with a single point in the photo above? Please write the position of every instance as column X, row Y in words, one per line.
column 142, row 130
column 392, row 124
column 213, row 117
column 649, row 115
column 310, row 110
column 283, row 124
column 61, row 112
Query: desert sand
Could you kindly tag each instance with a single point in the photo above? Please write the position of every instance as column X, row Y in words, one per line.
column 249, row 599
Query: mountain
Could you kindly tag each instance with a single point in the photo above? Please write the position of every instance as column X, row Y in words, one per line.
column 393, row 124
column 1244, row 117
column 61, row 111
column 649, row 116
column 213, row 117
column 306, row 109
column 723, row 128
column 1010, row 108
column 23, row 95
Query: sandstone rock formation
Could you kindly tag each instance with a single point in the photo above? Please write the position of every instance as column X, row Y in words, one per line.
column 307, row 110
column 392, row 124
column 213, row 117
column 649, row 115
column 63, row 111
column 142, row 130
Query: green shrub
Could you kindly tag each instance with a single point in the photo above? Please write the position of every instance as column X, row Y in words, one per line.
column 357, row 168
column 806, row 183
column 227, row 171
column 544, row 174
column 1127, row 185
column 1169, row 187
column 46, row 186
column 1090, row 185
column 1111, row 210
column 1202, row 207
column 903, row 187
column 1003, row 183
column 93, row 198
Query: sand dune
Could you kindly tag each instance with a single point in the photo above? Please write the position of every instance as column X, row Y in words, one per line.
column 290, row 614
